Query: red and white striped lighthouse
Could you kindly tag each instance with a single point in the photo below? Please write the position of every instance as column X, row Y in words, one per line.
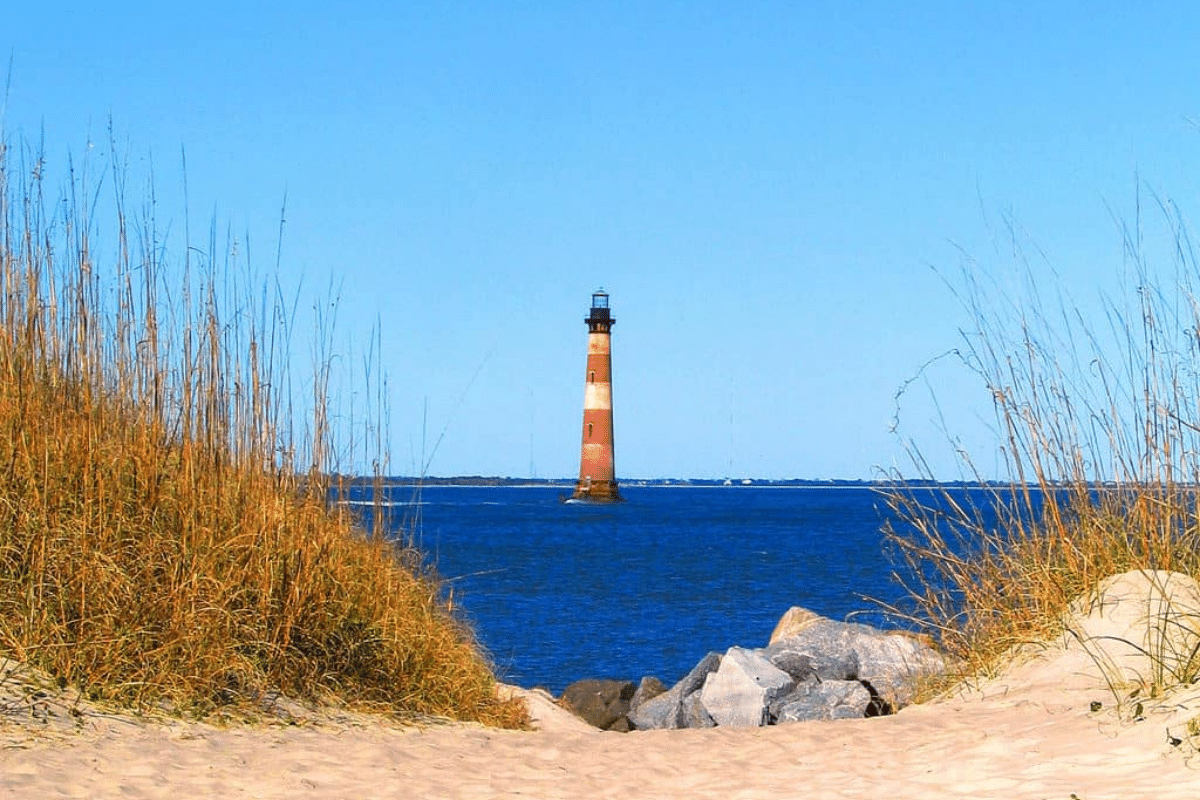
column 597, row 465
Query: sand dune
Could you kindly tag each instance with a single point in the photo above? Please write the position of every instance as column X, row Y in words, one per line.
column 1030, row 735
column 1033, row 733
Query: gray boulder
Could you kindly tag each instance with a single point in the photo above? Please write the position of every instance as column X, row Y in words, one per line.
column 666, row 710
column 828, row 658
column 657, row 713
column 816, row 699
column 888, row 662
column 693, row 714
column 740, row 692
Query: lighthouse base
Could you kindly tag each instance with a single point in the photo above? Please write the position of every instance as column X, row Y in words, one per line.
column 589, row 491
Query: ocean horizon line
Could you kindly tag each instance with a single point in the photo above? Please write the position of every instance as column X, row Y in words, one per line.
column 483, row 481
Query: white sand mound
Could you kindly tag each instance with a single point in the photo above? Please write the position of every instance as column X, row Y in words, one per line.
column 547, row 715
column 1139, row 627
column 1133, row 632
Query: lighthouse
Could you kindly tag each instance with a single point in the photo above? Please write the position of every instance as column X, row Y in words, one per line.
column 597, row 470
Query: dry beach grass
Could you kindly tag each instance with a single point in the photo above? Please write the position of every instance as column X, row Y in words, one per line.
column 1099, row 434
column 166, row 540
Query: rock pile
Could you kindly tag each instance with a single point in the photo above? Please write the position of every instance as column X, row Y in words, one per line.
column 812, row 668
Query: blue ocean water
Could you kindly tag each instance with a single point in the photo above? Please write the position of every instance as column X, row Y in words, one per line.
column 557, row 592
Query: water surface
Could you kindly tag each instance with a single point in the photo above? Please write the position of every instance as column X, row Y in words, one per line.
column 558, row 592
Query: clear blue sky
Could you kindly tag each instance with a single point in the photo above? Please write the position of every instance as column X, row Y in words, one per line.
column 767, row 190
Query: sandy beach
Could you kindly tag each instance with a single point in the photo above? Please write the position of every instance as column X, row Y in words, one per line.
column 1031, row 734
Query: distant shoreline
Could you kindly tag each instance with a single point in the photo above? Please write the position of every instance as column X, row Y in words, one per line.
column 477, row 481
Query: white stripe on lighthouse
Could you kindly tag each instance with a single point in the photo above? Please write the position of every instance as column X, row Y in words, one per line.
column 597, row 396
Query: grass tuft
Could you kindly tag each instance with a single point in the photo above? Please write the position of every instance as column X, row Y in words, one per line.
column 1098, row 434
column 165, row 539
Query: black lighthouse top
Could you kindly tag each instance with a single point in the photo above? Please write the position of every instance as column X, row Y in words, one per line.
column 601, row 319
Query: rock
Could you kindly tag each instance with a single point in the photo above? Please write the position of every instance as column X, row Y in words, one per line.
column 798, row 665
column 814, row 699
column 693, row 714
column 657, row 713
column 649, row 687
column 828, row 656
column 695, row 679
column 598, row 702
column 889, row 661
column 666, row 710
column 739, row 692
column 794, row 620
column 890, row 664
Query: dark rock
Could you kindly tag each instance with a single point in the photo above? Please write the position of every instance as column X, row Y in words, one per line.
column 622, row 725
column 798, row 665
column 666, row 710
column 598, row 702
column 878, row 707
